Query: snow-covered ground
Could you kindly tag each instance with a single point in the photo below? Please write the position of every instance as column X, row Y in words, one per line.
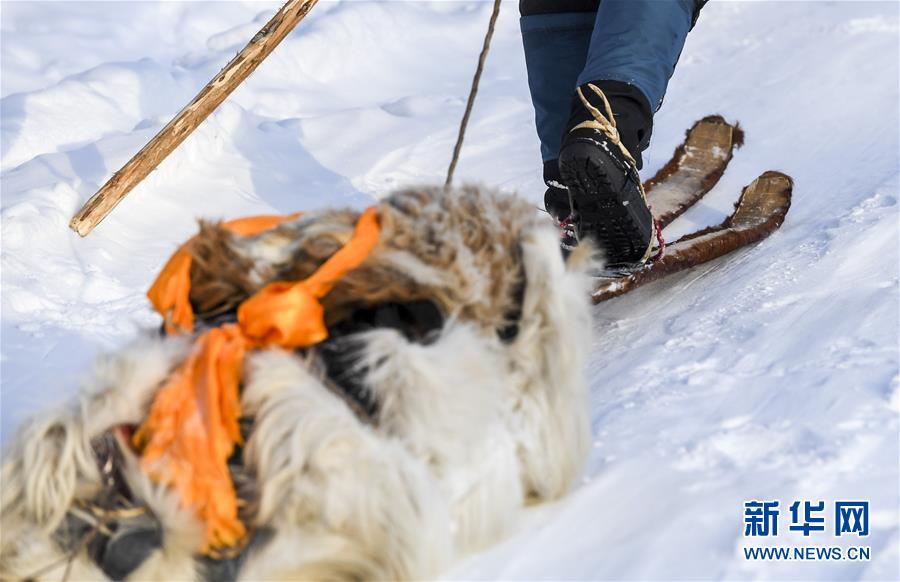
column 772, row 375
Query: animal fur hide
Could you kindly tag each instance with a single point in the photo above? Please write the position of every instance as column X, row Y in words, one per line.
column 471, row 421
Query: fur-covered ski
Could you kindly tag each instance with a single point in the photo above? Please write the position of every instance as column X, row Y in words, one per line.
column 694, row 169
column 759, row 212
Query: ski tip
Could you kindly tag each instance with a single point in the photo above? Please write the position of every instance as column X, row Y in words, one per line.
column 775, row 184
column 777, row 176
column 766, row 199
column 714, row 118
column 737, row 132
column 712, row 139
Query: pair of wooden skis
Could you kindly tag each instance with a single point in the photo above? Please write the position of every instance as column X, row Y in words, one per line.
column 694, row 169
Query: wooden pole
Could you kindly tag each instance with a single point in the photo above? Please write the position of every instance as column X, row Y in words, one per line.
column 187, row 120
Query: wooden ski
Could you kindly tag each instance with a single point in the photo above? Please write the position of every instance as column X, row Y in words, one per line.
column 758, row 213
column 694, row 168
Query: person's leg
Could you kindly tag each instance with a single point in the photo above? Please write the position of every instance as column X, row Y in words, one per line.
column 556, row 35
column 567, row 44
column 638, row 42
column 634, row 47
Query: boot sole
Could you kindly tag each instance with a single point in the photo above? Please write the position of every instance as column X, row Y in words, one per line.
column 614, row 215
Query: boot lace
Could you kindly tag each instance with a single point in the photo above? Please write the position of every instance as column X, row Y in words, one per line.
column 605, row 121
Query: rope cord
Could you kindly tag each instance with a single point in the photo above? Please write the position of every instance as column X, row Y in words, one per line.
column 472, row 92
column 606, row 124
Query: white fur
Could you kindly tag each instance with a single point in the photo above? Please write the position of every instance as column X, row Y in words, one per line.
column 447, row 403
column 323, row 474
column 469, row 430
column 549, row 355
column 50, row 463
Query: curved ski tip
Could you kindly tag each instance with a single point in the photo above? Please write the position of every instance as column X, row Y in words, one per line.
column 776, row 185
column 767, row 198
column 777, row 176
column 719, row 123
column 715, row 118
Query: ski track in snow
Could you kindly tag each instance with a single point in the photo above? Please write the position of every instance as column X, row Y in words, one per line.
column 772, row 374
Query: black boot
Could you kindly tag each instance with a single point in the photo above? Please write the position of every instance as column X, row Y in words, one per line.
column 598, row 162
column 556, row 198
column 556, row 201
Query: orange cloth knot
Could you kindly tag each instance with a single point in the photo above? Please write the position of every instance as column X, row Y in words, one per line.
column 170, row 293
column 192, row 427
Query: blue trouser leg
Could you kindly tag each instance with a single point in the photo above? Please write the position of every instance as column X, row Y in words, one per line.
column 632, row 41
column 556, row 47
column 638, row 42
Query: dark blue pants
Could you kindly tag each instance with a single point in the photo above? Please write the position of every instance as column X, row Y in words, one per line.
column 571, row 42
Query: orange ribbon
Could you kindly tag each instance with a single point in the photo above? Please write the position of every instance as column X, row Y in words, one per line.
column 170, row 293
column 192, row 427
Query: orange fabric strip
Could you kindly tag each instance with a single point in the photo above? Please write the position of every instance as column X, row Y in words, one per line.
column 170, row 292
column 289, row 314
column 193, row 427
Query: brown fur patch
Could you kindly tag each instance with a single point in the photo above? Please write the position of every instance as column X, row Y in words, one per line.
column 459, row 248
column 220, row 276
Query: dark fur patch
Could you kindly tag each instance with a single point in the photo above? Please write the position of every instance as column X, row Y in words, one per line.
column 220, row 276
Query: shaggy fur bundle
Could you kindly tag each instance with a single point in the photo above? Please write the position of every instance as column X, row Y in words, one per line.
column 473, row 422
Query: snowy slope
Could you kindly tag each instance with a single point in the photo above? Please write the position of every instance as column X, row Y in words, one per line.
column 770, row 375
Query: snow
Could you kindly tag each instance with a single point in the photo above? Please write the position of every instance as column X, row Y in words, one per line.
column 770, row 375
